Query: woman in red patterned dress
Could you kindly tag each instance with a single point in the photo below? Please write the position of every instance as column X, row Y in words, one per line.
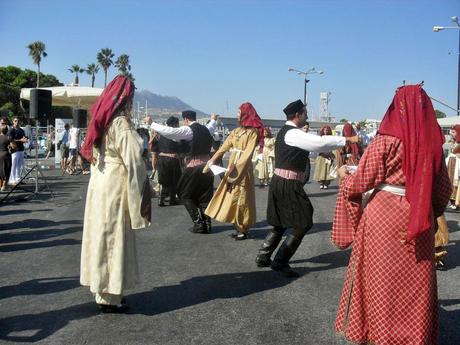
column 390, row 293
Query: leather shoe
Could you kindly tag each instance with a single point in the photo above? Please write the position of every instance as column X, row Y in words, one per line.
column 234, row 234
column 113, row 309
column 241, row 236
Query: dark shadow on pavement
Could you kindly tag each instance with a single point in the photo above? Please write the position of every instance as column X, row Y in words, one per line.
column 22, row 211
column 36, row 224
column 36, row 235
column 321, row 194
column 36, row 245
column 449, row 320
column 43, row 324
column 221, row 228
column 452, row 258
column 199, row 290
column 39, row 286
column 330, row 260
column 190, row 292
column 453, row 226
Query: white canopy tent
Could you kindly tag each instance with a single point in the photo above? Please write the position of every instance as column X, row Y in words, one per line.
column 448, row 122
column 71, row 96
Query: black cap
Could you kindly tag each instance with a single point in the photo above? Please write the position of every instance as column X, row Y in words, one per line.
column 294, row 107
column 172, row 121
column 189, row 114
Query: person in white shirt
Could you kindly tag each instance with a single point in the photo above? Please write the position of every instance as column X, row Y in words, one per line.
column 288, row 204
column 194, row 188
column 74, row 141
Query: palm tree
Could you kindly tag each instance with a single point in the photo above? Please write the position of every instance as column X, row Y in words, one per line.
column 76, row 69
column 123, row 65
column 37, row 51
column 92, row 69
column 104, row 57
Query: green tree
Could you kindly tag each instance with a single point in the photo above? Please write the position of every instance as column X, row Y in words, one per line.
column 343, row 120
column 92, row 70
column 440, row 114
column 76, row 69
column 37, row 51
column 13, row 79
column 104, row 57
column 122, row 63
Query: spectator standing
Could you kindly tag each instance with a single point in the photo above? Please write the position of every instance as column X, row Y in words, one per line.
column 74, row 142
column 64, row 148
column 5, row 157
column 18, row 138
column 4, row 124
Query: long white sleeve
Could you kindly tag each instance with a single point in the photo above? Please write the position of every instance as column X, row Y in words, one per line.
column 313, row 143
column 180, row 133
column 212, row 126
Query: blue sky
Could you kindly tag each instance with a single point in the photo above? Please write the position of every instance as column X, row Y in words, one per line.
column 209, row 53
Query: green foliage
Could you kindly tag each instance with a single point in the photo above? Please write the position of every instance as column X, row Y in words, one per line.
column 123, row 65
column 440, row 114
column 343, row 120
column 92, row 70
column 76, row 69
column 13, row 79
column 37, row 51
column 104, row 57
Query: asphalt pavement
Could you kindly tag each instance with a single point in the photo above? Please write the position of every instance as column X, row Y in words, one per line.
column 194, row 289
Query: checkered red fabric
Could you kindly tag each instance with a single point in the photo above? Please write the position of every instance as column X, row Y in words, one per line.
column 390, row 293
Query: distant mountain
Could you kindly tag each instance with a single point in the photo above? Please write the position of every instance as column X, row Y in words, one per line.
column 162, row 106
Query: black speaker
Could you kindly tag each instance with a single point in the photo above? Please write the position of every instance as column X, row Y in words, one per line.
column 79, row 118
column 40, row 104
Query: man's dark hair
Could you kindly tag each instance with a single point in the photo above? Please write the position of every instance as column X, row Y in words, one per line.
column 4, row 130
column 189, row 115
column 66, row 126
column 5, row 119
column 307, row 124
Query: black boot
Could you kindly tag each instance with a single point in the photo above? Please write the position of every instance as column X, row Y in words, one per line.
column 205, row 222
column 285, row 252
column 206, row 218
column 173, row 200
column 268, row 247
column 162, row 197
column 199, row 226
column 197, row 216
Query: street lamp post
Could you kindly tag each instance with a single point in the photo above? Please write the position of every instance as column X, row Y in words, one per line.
column 312, row 70
column 439, row 28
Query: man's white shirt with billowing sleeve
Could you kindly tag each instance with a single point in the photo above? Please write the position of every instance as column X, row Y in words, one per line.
column 180, row 133
column 310, row 142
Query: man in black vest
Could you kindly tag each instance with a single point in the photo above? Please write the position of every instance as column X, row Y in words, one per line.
column 169, row 169
column 288, row 204
column 194, row 188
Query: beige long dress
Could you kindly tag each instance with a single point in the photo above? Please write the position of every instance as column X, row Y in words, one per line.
column 264, row 167
column 113, row 210
column 234, row 201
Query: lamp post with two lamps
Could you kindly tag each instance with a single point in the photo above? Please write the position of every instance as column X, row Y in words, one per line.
column 439, row 28
column 312, row 70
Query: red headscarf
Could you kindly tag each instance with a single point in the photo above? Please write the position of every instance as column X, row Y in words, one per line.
column 323, row 129
column 119, row 91
column 349, row 131
column 411, row 118
column 456, row 128
column 250, row 118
